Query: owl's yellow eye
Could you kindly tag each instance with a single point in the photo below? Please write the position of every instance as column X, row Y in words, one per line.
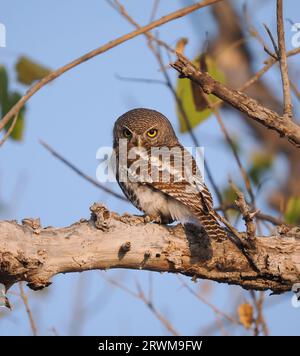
column 152, row 133
column 127, row 133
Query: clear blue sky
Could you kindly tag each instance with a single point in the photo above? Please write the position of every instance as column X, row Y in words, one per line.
column 75, row 115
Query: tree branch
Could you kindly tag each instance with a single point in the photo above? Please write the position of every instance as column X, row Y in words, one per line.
column 82, row 174
column 288, row 106
column 58, row 72
column 239, row 101
column 34, row 254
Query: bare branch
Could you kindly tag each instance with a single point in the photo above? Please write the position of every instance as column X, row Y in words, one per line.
column 157, row 314
column 268, row 64
column 119, row 7
column 209, row 304
column 228, row 138
column 10, row 129
column 240, row 101
column 81, row 174
column 58, row 72
column 35, row 255
column 245, row 211
column 147, row 301
column 154, row 10
column 260, row 216
column 288, row 106
column 28, row 310
column 275, row 55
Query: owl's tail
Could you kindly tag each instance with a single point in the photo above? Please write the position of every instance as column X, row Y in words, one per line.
column 211, row 226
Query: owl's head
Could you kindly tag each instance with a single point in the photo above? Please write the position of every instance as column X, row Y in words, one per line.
column 144, row 127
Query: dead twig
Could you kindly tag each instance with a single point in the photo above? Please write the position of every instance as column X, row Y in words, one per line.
column 10, row 129
column 207, row 303
column 28, row 310
column 121, row 9
column 114, row 43
column 287, row 100
column 141, row 296
column 245, row 211
column 80, row 173
column 239, row 100
column 157, row 314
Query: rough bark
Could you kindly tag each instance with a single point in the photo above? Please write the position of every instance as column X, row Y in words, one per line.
column 34, row 254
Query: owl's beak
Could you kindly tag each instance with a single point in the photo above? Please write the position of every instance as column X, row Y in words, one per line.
column 138, row 142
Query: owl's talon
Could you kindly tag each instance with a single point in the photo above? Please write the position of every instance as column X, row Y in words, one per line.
column 147, row 219
column 154, row 219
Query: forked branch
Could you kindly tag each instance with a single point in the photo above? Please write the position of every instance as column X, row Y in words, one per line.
column 239, row 100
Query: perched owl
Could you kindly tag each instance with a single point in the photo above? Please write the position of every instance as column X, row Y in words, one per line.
column 158, row 175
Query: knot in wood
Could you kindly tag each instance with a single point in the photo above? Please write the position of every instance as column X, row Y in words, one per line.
column 34, row 224
column 100, row 216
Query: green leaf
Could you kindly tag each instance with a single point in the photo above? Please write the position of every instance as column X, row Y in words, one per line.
column 29, row 71
column 7, row 101
column 261, row 163
column 190, row 96
column 3, row 85
column 292, row 212
column 18, row 131
column 229, row 198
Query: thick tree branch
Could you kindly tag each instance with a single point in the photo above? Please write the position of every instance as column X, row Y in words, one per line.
column 34, row 254
column 239, row 101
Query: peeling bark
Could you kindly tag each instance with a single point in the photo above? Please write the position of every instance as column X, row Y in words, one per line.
column 34, row 254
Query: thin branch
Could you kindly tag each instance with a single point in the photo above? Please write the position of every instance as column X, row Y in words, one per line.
column 254, row 33
column 295, row 90
column 10, row 129
column 157, row 55
column 119, row 285
column 268, row 64
column 141, row 296
column 259, row 321
column 271, row 54
column 233, row 149
column 154, row 10
column 157, row 314
column 245, row 211
column 270, row 218
column 58, row 72
column 210, row 305
column 28, row 310
column 116, row 5
column 240, row 101
column 261, row 318
column 288, row 106
column 140, row 80
column 260, row 216
column 80, row 173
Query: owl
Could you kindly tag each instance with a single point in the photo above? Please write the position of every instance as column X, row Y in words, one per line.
column 158, row 175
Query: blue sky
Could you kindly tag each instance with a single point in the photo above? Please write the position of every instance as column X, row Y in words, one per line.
column 75, row 115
